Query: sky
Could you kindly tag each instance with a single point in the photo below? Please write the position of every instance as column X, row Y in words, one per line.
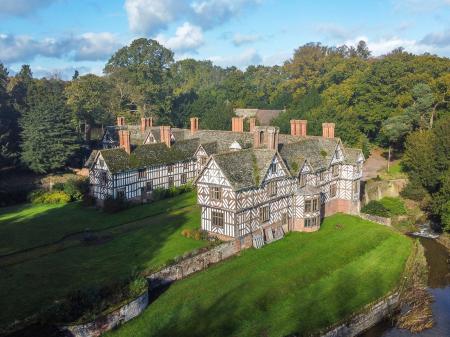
column 57, row 37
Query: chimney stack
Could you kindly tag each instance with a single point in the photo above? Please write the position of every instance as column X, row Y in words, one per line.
column 303, row 124
column 124, row 140
column 252, row 122
column 293, row 133
column 194, row 125
column 120, row 121
column 146, row 122
column 165, row 135
column 272, row 138
column 237, row 124
column 328, row 130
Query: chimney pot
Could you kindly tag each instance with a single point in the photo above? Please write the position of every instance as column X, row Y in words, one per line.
column 165, row 135
column 124, row 140
column 194, row 125
column 120, row 121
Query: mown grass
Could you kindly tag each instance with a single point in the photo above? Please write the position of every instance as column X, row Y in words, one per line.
column 31, row 286
column 395, row 206
column 26, row 226
column 300, row 284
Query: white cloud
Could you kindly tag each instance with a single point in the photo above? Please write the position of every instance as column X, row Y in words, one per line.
column 88, row 46
column 22, row 7
column 151, row 16
column 240, row 39
column 439, row 39
column 247, row 57
column 95, row 46
column 385, row 45
column 209, row 13
column 187, row 38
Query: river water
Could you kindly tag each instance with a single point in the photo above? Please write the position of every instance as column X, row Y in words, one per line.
column 438, row 285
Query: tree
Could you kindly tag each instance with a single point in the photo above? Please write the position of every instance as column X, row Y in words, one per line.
column 141, row 74
column 394, row 131
column 76, row 74
column 8, row 123
column 362, row 50
column 49, row 139
column 88, row 97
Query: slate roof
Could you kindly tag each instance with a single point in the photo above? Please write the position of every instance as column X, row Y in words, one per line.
column 317, row 150
column 116, row 159
column 224, row 139
column 244, row 168
column 351, row 155
column 147, row 155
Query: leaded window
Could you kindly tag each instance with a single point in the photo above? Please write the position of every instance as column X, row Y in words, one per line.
column 308, row 206
column 216, row 193
column 264, row 213
column 333, row 190
column 217, row 219
column 183, row 178
column 272, row 188
column 335, row 170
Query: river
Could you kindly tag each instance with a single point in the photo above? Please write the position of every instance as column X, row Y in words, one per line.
column 438, row 285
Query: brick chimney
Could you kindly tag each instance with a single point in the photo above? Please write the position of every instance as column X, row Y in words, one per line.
column 328, row 130
column 194, row 125
column 124, row 140
column 146, row 122
column 252, row 123
column 237, row 124
column 272, row 138
column 303, row 127
column 165, row 135
column 293, row 133
column 120, row 121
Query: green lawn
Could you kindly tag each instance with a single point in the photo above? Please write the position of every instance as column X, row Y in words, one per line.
column 395, row 206
column 300, row 284
column 146, row 243
column 28, row 225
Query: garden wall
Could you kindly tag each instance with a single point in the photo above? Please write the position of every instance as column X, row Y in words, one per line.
column 375, row 218
column 370, row 316
column 375, row 190
column 109, row 321
column 198, row 262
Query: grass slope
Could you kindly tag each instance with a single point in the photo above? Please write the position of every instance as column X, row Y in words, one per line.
column 300, row 284
column 150, row 242
column 28, row 225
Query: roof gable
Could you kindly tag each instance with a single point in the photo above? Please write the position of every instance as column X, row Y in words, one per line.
column 212, row 174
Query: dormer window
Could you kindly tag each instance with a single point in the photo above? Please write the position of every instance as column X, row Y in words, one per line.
column 101, row 163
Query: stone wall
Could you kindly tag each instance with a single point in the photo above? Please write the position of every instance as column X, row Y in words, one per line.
column 198, row 262
column 366, row 319
column 109, row 321
column 375, row 218
column 375, row 190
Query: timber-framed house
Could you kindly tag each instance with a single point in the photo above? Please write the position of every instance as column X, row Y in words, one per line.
column 259, row 182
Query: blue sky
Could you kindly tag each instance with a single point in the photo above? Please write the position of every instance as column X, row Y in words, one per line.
column 59, row 36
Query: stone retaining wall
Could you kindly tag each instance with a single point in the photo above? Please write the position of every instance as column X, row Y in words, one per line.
column 375, row 218
column 109, row 321
column 367, row 318
column 198, row 262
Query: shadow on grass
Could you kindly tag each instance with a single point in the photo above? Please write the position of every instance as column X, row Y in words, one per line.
column 56, row 275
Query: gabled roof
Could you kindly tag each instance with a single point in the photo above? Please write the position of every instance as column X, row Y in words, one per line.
column 116, row 159
column 245, row 168
column 318, row 150
column 223, row 139
column 210, row 148
column 351, row 155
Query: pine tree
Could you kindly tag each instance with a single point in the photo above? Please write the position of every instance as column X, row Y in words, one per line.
column 49, row 139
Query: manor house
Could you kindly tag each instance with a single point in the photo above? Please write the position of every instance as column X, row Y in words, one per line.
column 260, row 182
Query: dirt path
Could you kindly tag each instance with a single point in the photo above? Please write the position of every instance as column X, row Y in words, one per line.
column 373, row 164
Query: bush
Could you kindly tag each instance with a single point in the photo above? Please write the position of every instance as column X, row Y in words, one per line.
column 112, row 205
column 161, row 193
column 53, row 197
column 195, row 234
column 375, row 208
column 414, row 191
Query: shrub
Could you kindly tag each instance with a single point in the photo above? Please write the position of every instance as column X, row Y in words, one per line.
column 375, row 208
column 112, row 205
column 53, row 197
column 161, row 193
column 195, row 234
column 137, row 286
column 414, row 191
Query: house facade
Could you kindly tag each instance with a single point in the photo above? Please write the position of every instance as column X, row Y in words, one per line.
column 260, row 182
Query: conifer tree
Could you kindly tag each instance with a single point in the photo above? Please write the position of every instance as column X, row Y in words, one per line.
column 49, row 139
